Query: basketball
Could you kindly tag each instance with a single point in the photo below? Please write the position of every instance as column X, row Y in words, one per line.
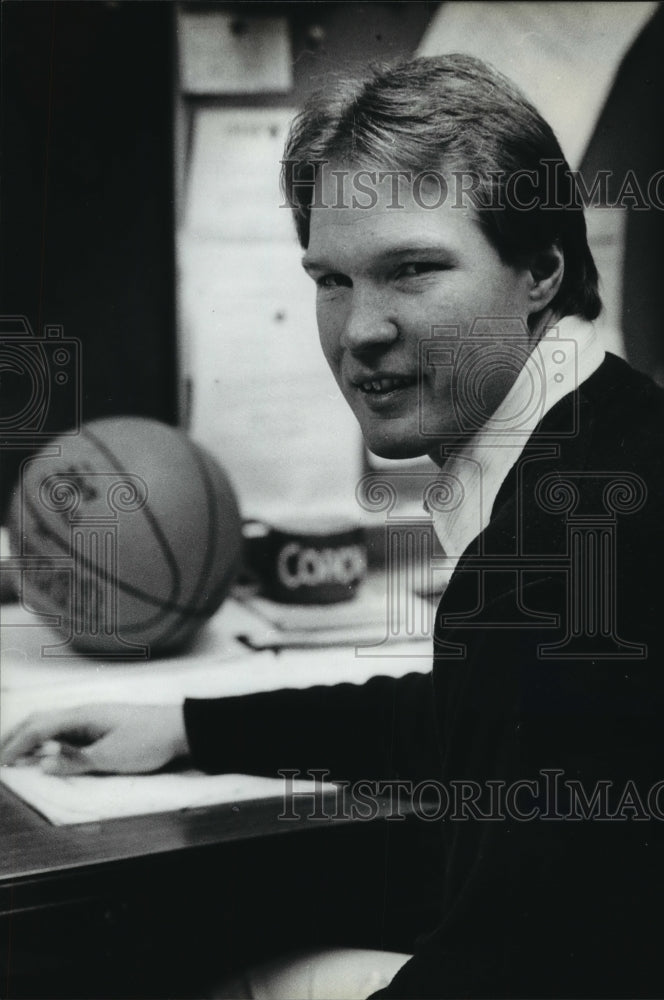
column 130, row 536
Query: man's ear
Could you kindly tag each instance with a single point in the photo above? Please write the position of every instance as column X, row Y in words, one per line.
column 547, row 268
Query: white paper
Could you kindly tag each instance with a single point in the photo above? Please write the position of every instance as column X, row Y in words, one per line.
column 91, row 798
column 232, row 186
column 263, row 399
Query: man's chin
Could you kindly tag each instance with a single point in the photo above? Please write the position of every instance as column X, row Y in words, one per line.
column 437, row 449
column 397, row 449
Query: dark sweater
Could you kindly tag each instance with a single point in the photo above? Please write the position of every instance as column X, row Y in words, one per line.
column 541, row 664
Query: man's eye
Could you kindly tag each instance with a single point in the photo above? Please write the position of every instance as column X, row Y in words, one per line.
column 416, row 268
column 332, row 281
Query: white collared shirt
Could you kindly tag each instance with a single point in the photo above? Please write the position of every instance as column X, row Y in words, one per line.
column 566, row 356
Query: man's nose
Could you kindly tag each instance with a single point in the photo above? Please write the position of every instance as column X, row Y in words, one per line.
column 369, row 322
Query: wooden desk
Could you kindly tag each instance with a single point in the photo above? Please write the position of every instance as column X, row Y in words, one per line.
column 137, row 907
column 161, row 905
column 32, row 847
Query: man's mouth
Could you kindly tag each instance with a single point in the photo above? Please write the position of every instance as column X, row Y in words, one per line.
column 383, row 385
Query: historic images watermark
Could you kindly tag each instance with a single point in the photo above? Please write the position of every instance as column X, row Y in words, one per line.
column 552, row 187
column 45, row 373
column 548, row 797
column 66, row 517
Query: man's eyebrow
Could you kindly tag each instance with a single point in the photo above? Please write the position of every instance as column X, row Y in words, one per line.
column 428, row 248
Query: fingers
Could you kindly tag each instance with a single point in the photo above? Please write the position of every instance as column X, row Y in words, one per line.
column 34, row 745
column 68, row 760
column 25, row 739
column 62, row 758
column 38, row 729
column 105, row 739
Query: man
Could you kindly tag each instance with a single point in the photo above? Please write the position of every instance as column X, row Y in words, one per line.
column 454, row 293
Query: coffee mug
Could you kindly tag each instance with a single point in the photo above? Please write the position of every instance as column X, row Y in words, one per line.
column 322, row 562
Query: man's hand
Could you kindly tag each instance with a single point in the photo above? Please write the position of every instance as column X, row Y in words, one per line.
column 122, row 739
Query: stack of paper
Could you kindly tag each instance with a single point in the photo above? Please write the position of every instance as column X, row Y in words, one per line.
column 377, row 615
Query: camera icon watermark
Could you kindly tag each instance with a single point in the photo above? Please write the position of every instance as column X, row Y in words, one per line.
column 41, row 380
column 480, row 368
column 65, row 519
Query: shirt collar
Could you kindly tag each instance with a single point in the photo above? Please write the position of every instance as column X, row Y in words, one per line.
column 560, row 362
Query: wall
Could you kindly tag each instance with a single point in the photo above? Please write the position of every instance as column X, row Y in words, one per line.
column 87, row 201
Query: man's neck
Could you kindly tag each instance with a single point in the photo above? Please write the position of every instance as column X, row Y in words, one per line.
column 566, row 354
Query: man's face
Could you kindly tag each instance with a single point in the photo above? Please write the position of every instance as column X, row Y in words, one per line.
column 385, row 278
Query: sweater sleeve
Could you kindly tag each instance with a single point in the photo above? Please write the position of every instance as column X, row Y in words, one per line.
column 384, row 728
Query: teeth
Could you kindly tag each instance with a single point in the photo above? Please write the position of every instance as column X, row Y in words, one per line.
column 384, row 384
